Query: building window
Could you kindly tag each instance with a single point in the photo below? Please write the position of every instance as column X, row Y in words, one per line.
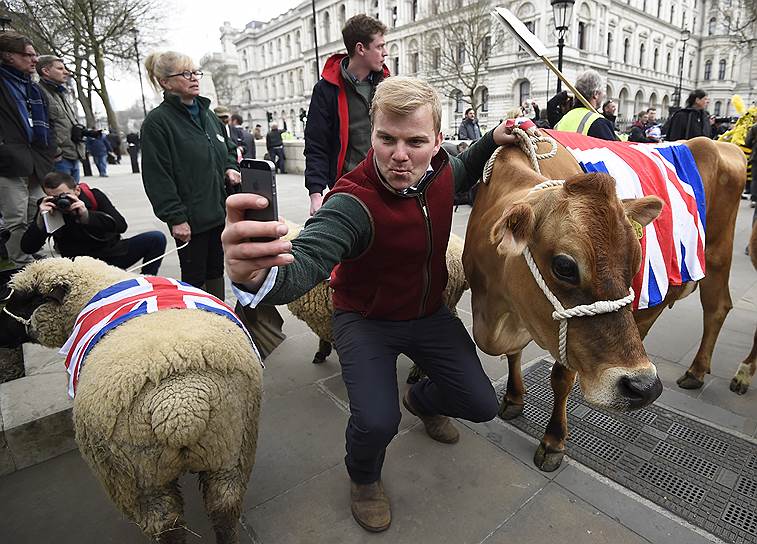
column 461, row 53
column 718, row 106
column 289, row 47
column 644, row 5
column 707, row 70
column 414, row 10
column 659, row 8
column 524, row 91
column 457, row 96
column 342, row 15
column 641, row 55
column 609, row 44
column 486, row 47
column 436, row 57
column 394, row 55
column 626, row 45
column 667, row 63
column 326, row 27
column 414, row 62
column 297, row 46
column 711, row 27
column 484, row 99
column 530, row 26
column 721, row 69
column 672, row 13
column 244, row 60
column 393, row 16
column 655, row 58
column 691, row 67
column 581, row 35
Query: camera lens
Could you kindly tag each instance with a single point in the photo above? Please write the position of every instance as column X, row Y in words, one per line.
column 63, row 203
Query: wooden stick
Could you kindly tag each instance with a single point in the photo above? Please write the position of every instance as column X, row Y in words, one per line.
column 575, row 92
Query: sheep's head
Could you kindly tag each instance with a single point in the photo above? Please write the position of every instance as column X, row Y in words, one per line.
column 46, row 296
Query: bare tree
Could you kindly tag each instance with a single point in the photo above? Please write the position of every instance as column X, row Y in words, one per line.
column 92, row 36
column 739, row 18
column 458, row 54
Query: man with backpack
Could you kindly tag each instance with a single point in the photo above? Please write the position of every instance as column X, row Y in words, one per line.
column 84, row 222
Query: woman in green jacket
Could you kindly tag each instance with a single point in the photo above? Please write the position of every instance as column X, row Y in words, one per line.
column 187, row 160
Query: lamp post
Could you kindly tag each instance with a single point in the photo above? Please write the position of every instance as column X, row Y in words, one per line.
column 685, row 35
column 315, row 41
column 562, row 11
column 135, row 33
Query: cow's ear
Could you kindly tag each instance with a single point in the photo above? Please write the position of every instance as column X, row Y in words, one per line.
column 643, row 210
column 57, row 293
column 512, row 232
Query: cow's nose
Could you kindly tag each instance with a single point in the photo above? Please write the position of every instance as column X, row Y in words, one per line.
column 640, row 390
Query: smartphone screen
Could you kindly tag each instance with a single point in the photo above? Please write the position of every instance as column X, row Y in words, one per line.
column 259, row 177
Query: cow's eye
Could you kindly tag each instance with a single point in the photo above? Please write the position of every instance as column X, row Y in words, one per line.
column 565, row 268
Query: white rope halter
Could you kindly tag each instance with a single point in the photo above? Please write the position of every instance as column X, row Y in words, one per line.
column 527, row 141
column 25, row 322
column 561, row 314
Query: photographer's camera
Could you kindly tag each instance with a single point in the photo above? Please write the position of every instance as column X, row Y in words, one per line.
column 62, row 202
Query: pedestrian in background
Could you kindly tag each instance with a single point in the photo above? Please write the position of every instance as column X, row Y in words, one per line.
column 186, row 161
column 691, row 121
column 338, row 129
column 638, row 129
column 469, row 129
column 609, row 112
column 275, row 145
column 99, row 147
column 53, row 76
column 242, row 137
column 583, row 120
column 115, row 145
column 557, row 106
column 27, row 143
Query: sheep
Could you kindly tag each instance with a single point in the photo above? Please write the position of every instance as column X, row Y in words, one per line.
column 315, row 307
column 160, row 395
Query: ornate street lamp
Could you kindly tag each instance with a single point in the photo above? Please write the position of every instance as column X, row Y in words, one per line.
column 685, row 35
column 135, row 33
column 562, row 11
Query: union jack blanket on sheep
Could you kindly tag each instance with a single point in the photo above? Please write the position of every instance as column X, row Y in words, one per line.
column 129, row 299
column 672, row 247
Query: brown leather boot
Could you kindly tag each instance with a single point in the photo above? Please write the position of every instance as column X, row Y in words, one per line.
column 370, row 506
column 440, row 428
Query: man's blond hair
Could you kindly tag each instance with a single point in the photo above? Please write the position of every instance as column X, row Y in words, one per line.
column 403, row 95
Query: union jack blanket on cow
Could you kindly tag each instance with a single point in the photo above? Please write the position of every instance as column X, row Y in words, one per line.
column 672, row 247
column 126, row 300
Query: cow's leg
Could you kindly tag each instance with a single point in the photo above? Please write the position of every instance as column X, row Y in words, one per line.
column 716, row 303
column 551, row 450
column 512, row 403
column 324, row 350
column 742, row 379
column 415, row 375
column 646, row 318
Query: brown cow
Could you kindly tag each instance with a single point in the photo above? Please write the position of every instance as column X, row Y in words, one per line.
column 586, row 251
column 743, row 378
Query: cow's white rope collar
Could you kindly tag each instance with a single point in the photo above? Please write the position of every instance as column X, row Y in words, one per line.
column 561, row 314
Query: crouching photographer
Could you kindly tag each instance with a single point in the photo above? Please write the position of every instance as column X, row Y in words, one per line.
column 84, row 222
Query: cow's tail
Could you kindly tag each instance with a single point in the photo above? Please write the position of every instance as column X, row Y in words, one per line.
column 180, row 407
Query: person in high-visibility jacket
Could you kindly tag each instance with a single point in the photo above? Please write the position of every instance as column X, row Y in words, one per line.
column 583, row 120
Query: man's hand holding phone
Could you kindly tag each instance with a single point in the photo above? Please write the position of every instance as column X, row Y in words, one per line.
column 248, row 262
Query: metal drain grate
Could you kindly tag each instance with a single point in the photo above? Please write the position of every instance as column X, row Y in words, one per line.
column 686, row 460
column 736, row 515
column 701, row 474
column 671, row 483
column 712, row 445
column 747, row 487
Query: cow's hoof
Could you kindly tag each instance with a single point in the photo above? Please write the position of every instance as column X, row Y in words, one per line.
column 548, row 459
column 415, row 375
column 689, row 381
column 739, row 386
column 509, row 410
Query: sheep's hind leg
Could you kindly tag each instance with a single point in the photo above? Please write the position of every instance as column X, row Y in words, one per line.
column 223, row 491
column 324, row 350
column 162, row 513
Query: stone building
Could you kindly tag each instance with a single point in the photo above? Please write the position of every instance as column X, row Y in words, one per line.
column 636, row 44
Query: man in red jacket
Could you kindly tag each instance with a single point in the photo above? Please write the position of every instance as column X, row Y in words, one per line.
column 383, row 230
column 338, row 130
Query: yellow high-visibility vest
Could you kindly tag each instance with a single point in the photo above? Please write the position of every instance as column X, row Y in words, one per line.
column 577, row 120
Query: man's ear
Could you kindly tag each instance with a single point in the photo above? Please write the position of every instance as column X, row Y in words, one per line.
column 512, row 232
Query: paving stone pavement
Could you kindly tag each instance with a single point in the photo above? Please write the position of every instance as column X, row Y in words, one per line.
column 484, row 489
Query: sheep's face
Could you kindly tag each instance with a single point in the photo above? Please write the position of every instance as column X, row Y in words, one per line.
column 33, row 316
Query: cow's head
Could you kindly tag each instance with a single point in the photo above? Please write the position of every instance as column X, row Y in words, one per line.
column 584, row 243
column 45, row 297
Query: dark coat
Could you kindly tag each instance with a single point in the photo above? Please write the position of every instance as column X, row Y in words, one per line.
column 469, row 130
column 18, row 157
column 687, row 123
column 328, row 126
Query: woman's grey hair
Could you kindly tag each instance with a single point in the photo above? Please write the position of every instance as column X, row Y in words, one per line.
column 588, row 83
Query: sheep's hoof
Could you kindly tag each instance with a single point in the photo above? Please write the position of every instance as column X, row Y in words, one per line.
column 738, row 386
column 509, row 410
column 324, row 350
column 547, row 458
column 415, row 375
column 689, row 381
column 319, row 358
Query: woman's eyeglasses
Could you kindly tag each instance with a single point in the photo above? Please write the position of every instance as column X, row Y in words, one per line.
column 187, row 74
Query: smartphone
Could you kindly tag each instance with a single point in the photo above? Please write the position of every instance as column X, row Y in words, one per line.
column 259, row 177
